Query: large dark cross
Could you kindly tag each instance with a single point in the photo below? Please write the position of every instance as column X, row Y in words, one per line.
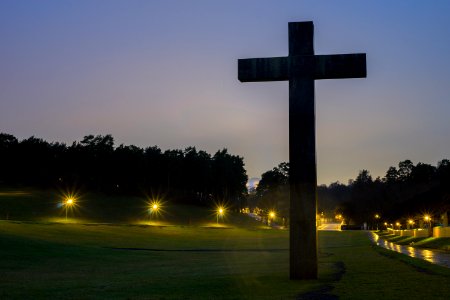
column 301, row 68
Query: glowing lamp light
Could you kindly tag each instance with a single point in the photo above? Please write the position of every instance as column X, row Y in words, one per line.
column 272, row 215
column 410, row 221
column 69, row 203
column 220, row 212
column 155, row 207
column 377, row 216
column 427, row 218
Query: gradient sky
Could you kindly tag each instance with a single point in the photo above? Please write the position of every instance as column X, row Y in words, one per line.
column 165, row 73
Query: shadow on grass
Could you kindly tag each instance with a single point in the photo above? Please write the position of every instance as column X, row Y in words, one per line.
column 199, row 250
column 324, row 292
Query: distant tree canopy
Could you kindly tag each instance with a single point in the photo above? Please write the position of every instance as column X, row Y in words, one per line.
column 404, row 192
column 272, row 192
column 189, row 175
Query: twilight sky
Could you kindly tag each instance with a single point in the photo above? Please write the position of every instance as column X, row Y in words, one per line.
column 164, row 72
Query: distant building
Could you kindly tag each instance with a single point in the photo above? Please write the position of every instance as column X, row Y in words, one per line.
column 252, row 184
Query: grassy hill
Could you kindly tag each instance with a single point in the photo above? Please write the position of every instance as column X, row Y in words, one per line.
column 44, row 205
column 122, row 261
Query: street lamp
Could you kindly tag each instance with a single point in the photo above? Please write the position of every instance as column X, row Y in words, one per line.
column 220, row 212
column 69, row 202
column 155, row 208
column 272, row 216
column 377, row 217
column 427, row 218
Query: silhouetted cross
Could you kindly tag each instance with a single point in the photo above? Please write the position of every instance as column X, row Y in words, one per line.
column 301, row 68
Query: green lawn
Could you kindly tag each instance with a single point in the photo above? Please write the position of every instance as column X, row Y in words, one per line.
column 187, row 256
column 76, row 261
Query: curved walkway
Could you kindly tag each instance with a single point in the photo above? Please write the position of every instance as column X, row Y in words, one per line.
column 432, row 256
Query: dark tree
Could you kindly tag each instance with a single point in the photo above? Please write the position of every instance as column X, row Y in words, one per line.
column 402, row 193
column 273, row 190
column 188, row 176
column 392, row 175
column 405, row 169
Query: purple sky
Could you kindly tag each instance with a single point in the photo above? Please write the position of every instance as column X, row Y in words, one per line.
column 165, row 73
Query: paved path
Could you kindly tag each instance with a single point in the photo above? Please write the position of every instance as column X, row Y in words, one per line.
column 433, row 256
column 330, row 227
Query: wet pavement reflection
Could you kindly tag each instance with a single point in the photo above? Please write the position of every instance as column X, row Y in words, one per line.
column 433, row 256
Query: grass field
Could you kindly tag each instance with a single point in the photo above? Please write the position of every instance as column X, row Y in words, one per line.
column 193, row 258
column 76, row 261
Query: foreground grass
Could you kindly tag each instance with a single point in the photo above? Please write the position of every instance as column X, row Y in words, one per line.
column 376, row 273
column 42, row 261
column 75, row 261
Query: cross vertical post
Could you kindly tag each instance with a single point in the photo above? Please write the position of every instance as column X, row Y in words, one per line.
column 302, row 156
column 301, row 68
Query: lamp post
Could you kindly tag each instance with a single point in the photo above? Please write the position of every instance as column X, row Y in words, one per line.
column 220, row 212
column 68, row 203
column 377, row 217
column 154, row 208
column 271, row 217
column 427, row 219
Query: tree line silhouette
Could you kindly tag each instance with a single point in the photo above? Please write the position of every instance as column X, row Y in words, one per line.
column 406, row 191
column 94, row 164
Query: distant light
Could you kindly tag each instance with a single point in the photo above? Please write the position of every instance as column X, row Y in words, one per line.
column 155, row 206
column 410, row 221
column 385, row 223
column 272, row 214
column 220, row 212
column 427, row 218
column 69, row 203
column 397, row 224
column 377, row 216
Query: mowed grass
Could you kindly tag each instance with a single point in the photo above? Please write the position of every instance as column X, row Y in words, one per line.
column 187, row 256
column 83, row 262
column 76, row 261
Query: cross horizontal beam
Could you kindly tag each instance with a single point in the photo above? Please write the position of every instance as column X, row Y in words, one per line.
column 338, row 66
column 263, row 69
column 309, row 66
